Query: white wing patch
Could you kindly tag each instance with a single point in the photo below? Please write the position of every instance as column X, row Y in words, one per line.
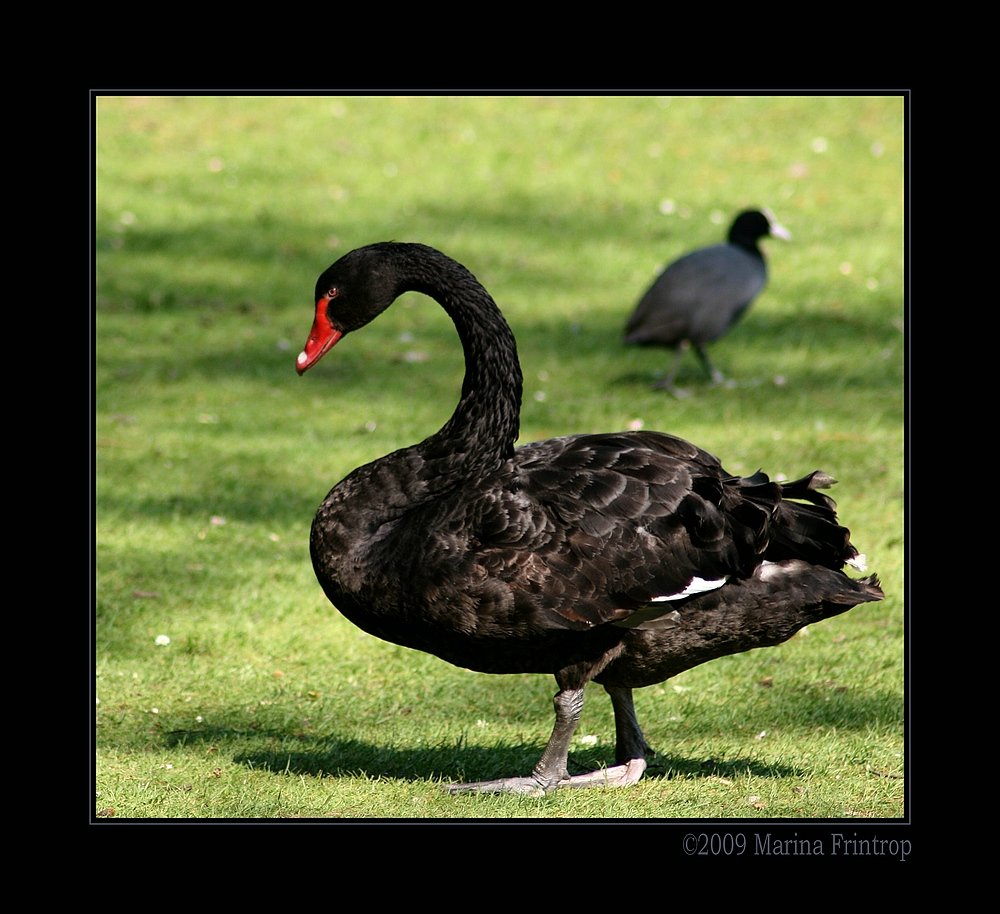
column 696, row 585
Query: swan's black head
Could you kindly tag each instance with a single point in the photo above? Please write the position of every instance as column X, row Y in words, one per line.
column 752, row 224
column 350, row 294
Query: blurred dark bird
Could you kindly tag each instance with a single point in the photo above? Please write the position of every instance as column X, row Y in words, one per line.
column 699, row 296
column 622, row 558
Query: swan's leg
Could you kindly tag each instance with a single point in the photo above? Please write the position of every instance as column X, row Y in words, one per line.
column 550, row 772
column 631, row 747
column 631, row 750
column 629, row 742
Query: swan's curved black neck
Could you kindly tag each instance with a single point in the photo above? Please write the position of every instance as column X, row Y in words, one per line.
column 481, row 432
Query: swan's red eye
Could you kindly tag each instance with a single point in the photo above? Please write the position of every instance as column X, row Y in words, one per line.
column 332, row 292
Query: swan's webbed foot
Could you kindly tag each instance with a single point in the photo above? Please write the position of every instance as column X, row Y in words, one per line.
column 535, row 786
column 619, row 776
column 529, row 786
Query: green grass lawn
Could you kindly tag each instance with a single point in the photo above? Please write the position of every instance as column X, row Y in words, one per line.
column 226, row 685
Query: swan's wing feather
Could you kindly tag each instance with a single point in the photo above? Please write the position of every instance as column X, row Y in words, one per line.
column 590, row 529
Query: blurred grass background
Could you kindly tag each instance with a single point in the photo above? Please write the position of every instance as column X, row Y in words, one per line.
column 214, row 215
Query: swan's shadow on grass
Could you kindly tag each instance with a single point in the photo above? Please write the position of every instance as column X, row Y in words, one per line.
column 333, row 757
column 351, row 758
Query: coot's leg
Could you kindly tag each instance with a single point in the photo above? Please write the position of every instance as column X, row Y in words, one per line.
column 667, row 383
column 716, row 376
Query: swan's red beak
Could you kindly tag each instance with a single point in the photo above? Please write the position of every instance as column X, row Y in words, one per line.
column 321, row 340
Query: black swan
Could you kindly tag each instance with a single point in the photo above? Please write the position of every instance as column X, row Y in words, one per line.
column 699, row 296
column 622, row 558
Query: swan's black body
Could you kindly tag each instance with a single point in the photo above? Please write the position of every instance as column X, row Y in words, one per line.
column 699, row 296
column 623, row 559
